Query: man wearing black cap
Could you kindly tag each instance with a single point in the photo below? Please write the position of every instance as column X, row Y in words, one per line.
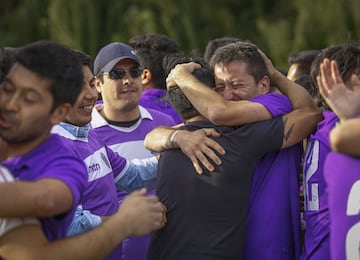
column 120, row 122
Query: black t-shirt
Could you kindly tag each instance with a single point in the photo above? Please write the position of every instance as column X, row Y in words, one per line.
column 207, row 213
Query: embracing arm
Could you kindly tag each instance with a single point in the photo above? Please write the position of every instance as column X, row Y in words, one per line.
column 345, row 137
column 42, row 198
column 138, row 215
column 196, row 145
column 302, row 121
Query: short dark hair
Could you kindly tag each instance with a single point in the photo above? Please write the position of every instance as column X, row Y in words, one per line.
column 177, row 98
column 213, row 44
column 151, row 49
column 55, row 62
column 241, row 51
column 7, row 58
column 347, row 56
column 83, row 57
column 303, row 59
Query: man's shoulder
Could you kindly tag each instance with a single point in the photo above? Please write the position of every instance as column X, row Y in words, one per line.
column 158, row 116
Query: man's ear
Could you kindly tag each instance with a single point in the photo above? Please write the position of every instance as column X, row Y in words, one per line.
column 98, row 85
column 60, row 113
column 264, row 85
column 146, row 77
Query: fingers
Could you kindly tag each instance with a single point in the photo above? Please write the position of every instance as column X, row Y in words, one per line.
column 180, row 68
column 202, row 150
column 160, row 216
column 324, row 80
column 199, row 157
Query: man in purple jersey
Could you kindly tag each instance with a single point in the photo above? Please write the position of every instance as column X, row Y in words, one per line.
column 316, row 215
column 241, row 73
column 341, row 171
column 120, row 122
column 36, row 94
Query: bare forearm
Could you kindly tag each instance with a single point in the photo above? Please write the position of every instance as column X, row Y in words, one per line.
column 344, row 138
column 211, row 105
column 158, row 139
column 95, row 244
column 32, row 199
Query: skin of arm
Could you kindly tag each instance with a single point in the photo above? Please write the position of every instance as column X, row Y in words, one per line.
column 137, row 215
column 196, row 145
column 42, row 198
column 302, row 121
column 344, row 138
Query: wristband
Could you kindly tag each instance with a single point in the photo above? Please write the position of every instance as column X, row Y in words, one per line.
column 173, row 135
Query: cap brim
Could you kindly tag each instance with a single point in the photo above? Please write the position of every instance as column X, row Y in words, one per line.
column 112, row 63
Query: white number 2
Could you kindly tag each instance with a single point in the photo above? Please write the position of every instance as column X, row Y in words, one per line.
column 353, row 235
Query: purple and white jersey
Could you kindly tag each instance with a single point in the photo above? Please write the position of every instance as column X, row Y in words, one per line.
column 316, row 214
column 7, row 224
column 100, row 196
column 273, row 227
column 129, row 141
column 342, row 177
column 52, row 160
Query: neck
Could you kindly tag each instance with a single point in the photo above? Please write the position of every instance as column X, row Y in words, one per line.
column 120, row 115
column 17, row 149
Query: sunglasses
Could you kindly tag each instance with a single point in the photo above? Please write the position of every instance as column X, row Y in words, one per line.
column 121, row 73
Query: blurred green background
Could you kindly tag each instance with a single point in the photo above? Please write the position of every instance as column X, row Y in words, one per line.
column 278, row 27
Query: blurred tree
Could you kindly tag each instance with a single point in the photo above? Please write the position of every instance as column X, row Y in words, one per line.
column 278, row 27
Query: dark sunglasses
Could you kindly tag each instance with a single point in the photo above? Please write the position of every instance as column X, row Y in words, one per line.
column 120, row 73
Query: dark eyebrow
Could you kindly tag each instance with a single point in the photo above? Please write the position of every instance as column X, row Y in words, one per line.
column 25, row 89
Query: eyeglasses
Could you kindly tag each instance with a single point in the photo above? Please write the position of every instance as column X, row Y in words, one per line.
column 121, row 73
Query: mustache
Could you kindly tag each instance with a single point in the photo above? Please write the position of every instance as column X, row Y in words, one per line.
column 129, row 89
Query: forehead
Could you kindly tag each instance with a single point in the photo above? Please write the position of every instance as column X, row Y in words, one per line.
column 24, row 79
column 232, row 69
column 125, row 64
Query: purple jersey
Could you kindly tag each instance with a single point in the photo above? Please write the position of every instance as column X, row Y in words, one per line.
column 52, row 159
column 273, row 228
column 316, row 212
column 342, row 176
column 156, row 99
column 129, row 143
column 100, row 196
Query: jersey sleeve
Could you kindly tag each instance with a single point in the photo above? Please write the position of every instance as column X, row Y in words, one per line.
column 276, row 104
